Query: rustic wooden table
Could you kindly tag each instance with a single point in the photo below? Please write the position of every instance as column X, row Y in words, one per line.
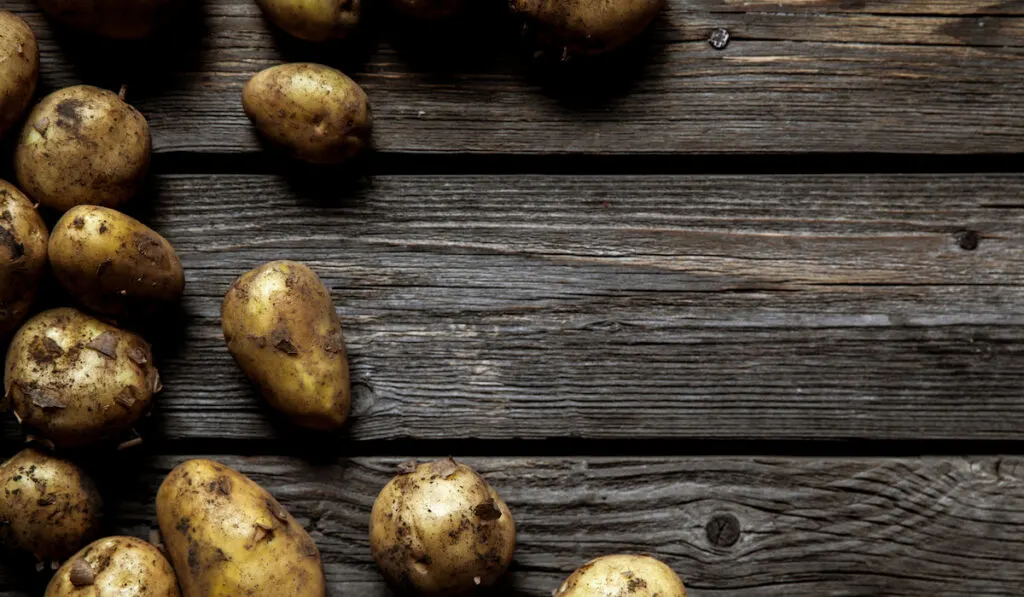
column 758, row 311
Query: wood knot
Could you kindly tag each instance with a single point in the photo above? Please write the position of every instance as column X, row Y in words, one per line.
column 723, row 530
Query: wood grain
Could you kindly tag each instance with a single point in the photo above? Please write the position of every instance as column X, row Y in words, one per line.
column 799, row 76
column 900, row 527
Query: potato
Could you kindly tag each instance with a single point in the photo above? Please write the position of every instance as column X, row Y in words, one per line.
column 429, row 9
column 314, row 112
column 438, row 529
column 23, row 239
column 19, row 68
column 585, row 27
column 227, row 536
column 77, row 380
column 115, row 567
column 82, row 145
column 623, row 574
column 313, row 20
column 112, row 263
column 118, row 19
column 283, row 331
column 50, row 507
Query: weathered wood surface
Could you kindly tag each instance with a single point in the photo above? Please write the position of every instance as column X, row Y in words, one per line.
column 672, row 307
column 799, row 76
column 806, row 527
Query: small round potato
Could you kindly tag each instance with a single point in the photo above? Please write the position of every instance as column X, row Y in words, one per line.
column 314, row 112
column 82, row 146
column 283, row 331
column 585, row 27
column 118, row 19
column 115, row 567
column 225, row 535
column 77, row 380
column 19, row 68
column 313, row 20
column 429, row 9
column 438, row 529
column 624, row 574
column 113, row 263
column 48, row 507
column 23, row 238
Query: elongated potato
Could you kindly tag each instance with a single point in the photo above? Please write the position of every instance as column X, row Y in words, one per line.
column 314, row 112
column 48, row 507
column 283, row 331
column 77, row 380
column 19, row 68
column 623, row 574
column 23, row 239
column 226, row 536
column 118, row 19
column 113, row 263
column 313, row 20
column 585, row 27
column 115, row 567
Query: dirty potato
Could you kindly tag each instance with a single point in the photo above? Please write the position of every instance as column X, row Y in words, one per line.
column 23, row 239
column 225, row 535
column 118, row 19
column 428, row 9
column 82, row 146
column 19, row 68
column 439, row 529
column 48, row 507
column 77, row 380
column 314, row 112
column 113, row 263
column 283, row 331
column 584, row 27
column 115, row 567
column 623, row 574
column 313, row 20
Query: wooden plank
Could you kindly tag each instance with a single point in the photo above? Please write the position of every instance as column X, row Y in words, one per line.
column 672, row 307
column 799, row 76
column 895, row 527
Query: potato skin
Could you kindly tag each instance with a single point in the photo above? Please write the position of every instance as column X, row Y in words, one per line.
column 49, row 507
column 23, row 240
column 82, row 145
column 314, row 112
column 118, row 19
column 436, row 529
column 283, row 331
column 623, row 574
column 585, row 27
column 313, row 20
column 77, row 380
column 226, row 536
column 115, row 567
column 429, row 9
column 19, row 68
column 113, row 263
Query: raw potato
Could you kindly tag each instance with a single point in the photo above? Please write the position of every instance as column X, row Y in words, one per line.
column 227, row 536
column 82, row 145
column 582, row 27
column 429, row 9
column 48, row 507
column 283, row 331
column 77, row 380
column 119, row 19
column 115, row 567
column 313, row 20
column 23, row 238
column 314, row 112
column 113, row 263
column 438, row 529
column 19, row 68
column 624, row 574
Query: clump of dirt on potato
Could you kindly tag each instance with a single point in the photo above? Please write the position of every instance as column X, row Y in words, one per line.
column 623, row 574
column 115, row 567
column 23, row 241
column 19, row 68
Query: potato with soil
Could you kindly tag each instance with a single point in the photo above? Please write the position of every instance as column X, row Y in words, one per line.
column 118, row 19
column 623, row 574
column 585, row 27
column 439, row 529
column 283, row 331
column 313, row 20
column 48, row 507
column 115, row 567
column 225, row 535
column 113, row 263
column 77, row 380
column 429, row 9
column 82, row 146
column 23, row 239
column 19, row 68
column 313, row 112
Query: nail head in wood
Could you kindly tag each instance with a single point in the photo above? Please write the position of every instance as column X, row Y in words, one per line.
column 719, row 38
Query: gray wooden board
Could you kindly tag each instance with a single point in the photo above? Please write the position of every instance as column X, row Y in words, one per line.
column 799, row 76
column 671, row 307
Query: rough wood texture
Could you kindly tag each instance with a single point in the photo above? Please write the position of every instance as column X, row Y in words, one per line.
column 749, row 307
column 799, row 76
column 806, row 527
